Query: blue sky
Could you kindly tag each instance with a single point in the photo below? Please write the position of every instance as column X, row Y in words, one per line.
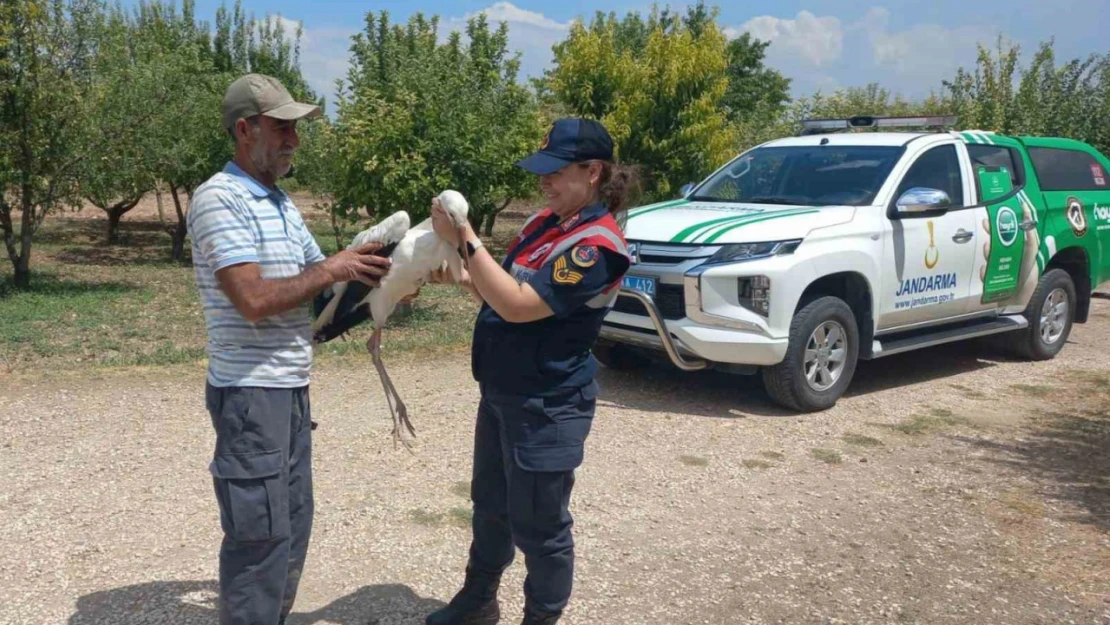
column 821, row 44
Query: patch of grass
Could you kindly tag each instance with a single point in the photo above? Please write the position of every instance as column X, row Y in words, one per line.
column 1023, row 504
column 936, row 420
column 1033, row 390
column 862, row 441
column 426, row 518
column 694, row 461
column 968, row 392
column 1094, row 380
column 459, row 517
column 461, row 489
column 828, row 456
column 92, row 304
column 773, row 455
column 755, row 463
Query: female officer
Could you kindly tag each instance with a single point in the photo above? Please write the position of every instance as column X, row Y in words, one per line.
column 542, row 311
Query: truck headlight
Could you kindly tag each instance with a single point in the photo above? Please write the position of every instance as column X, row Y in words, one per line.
column 754, row 293
column 737, row 252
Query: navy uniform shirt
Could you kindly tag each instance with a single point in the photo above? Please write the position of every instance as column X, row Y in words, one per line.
column 551, row 356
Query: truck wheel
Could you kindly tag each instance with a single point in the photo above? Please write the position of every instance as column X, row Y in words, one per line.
column 1050, row 313
column 820, row 359
column 617, row 357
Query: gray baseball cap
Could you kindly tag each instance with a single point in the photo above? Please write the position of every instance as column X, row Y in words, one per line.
column 257, row 94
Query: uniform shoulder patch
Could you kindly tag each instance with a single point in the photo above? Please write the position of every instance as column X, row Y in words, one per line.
column 585, row 255
column 563, row 274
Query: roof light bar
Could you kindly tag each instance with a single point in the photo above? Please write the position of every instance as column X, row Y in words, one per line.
column 815, row 126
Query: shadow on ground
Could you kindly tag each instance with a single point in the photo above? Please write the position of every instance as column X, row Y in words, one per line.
column 1068, row 454
column 83, row 242
column 188, row 602
column 662, row 388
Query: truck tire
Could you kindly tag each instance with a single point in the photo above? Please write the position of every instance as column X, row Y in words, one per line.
column 811, row 377
column 617, row 357
column 1050, row 313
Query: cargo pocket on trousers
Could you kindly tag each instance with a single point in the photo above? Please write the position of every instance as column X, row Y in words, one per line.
column 253, row 497
column 541, row 486
column 548, row 458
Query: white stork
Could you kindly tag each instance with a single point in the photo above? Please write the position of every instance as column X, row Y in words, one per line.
column 415, row 253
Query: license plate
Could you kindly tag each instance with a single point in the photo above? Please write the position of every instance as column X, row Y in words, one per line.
column 638, row 283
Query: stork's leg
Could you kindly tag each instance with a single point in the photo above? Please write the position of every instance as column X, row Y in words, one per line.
column 397, row 408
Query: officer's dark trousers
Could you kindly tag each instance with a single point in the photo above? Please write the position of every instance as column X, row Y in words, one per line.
column 262, row 471
column 525, row 453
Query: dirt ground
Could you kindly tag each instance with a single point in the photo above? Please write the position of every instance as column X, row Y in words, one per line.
column 950, row 486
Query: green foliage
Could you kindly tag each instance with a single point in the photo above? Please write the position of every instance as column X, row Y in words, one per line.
column 756, row 93
column 417, row 117
column 1060, row 100
column 673, row 91
column 46, row 68
column 103, row 105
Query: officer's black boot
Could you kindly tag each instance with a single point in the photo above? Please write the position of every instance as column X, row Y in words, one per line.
column 475, row 604
column 532, row 616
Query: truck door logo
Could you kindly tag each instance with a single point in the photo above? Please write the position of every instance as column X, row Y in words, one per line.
column 1077, row 217
column 932, row 254
column 1007, row 225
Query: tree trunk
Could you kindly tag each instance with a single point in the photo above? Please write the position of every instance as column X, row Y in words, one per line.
column 492, row 217
column 158, row 197
column 115, row 214
column 336, row 226
column 22, row 272
column 26, row 230
column 113, row 226
column 179, row 231
column 9, row 231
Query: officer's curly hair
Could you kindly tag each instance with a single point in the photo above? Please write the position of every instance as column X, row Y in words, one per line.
column 619, row 184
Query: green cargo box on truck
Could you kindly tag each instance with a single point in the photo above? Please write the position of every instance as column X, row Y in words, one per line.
column 805, row 254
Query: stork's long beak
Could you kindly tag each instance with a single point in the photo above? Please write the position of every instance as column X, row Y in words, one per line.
column 465, row 250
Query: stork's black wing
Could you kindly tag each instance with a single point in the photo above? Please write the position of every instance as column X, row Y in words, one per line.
column 348, row 313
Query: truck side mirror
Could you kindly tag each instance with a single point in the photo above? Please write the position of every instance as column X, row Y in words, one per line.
column 922, row 202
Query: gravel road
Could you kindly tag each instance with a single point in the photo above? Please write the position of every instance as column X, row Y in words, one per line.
column 951, row 486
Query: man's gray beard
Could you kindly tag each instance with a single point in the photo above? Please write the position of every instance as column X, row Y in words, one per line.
column 264, row 166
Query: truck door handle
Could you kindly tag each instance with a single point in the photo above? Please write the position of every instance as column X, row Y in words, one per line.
column 963, row 236
column 1026, row 226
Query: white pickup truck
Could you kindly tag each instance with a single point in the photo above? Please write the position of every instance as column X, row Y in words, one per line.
column 805, row 254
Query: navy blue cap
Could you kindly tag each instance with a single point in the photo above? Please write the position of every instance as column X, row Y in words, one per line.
column 570, row 140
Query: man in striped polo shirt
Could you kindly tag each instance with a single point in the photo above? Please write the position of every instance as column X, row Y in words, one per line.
column 257, row 266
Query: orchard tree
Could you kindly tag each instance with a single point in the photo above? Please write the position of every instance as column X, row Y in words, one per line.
column 416, row 116
column 46, row 65
column 659, row 86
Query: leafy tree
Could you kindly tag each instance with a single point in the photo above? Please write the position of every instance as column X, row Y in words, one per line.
column 45, row 71
column 1071, row 99
column 416, row 116
column 129, row 92
column 659, row 86
column 756, row 93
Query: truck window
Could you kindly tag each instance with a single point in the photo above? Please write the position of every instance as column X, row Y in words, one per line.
column 804, row 175
column 1068, row 170
column 995, row 156
column 939, row 168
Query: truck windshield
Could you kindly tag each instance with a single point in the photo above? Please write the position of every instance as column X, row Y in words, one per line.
column 803, row 175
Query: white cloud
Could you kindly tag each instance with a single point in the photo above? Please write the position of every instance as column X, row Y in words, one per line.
column 826, row 52
column 509, row 12
column 531, row 34
column 926, row 52
column 325, row 51
column 818, row 41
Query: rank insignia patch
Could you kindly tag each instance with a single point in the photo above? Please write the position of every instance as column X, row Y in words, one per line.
column 565, row 275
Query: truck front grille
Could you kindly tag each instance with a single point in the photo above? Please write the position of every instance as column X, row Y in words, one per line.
column 670, row 299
